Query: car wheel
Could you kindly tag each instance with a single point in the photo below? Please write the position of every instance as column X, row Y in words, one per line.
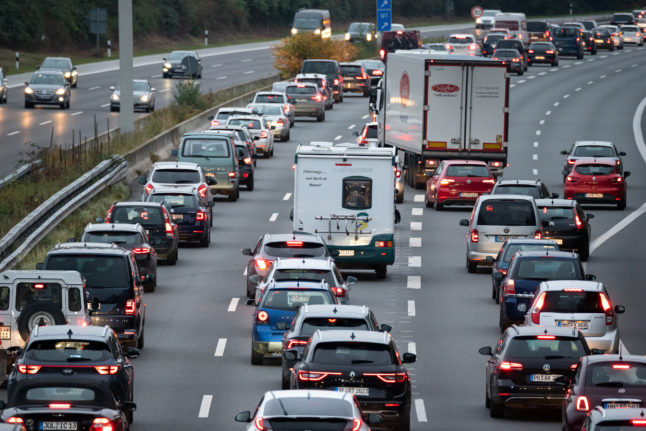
column 130, row 416
column 286, row 138
column 427, row 203
column 250, row 184
column 520, row 72
column 114, row 109
column 62, row 105
column 621, row 204
column 206, row 240
column 341, row 97
column 471, row 266
column 173, row 259
column 438, row 205
column 579, row 56
column 584, row 252
column 256, row 358
column 404, row 425
column 76, row 84
column 140, row 341
column 594, row 52
column 210, row 217
column 496, row 410
column 399, row 199
column 150, row 287
column 502, row 322
column 234, row 196
column 621, row 46
column 612, row 47
column 29, row 105
column 493, row 291
column 381, row 271
column 251, row 289
column 321, row 117
column 331, row 104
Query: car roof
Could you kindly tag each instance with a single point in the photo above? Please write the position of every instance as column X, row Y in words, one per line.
column 461, row 35
column 230, row 109
column 68, row 277
column 570, row 203
column 71, row 332
column 313, row 393
column 465, row 162
column 519, row 182
column 88, row 248
column 546, row 253
column 176, row 165
column 334, row 310
column 245, row 116
column 300, row 236
column 543, row 330
column 588, row 286
column 351, row 336
column 529, row 241
column 139, row 203
column 484, row 198
column 302, row 263
column 350, row 63
column 593, row 359
column 309, row 75
column 187, row 189
column 105, row 227
column 270, row 93
column 596, row 143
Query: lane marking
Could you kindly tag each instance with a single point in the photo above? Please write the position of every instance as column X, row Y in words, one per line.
column 217, row 65
column 548, row 112
column 534, row 156
column 222, row 77
column 542, row 73
column 416, row 225
column 637, row 128
column 417, row 211
column 603, row 76
column 273, row 217
column 13, row 133
column 415, row 242
column 205, row 406
column 554, row 70
column 76, row 113
column 246, row 60
column 44, row 122
column 541, row 122
column 414, row 261
column 578, row 62
column 233, row 304
column 618, row 70
column 565, row 96
column 617, row 228
column 531, row 77
column 604, row 56
column 219, row 349
column 93, row 88
column 287, row 196
column 365, row 117
column 512, row 85
column 420, row 410
column 159, row 75
column 414, row 282
column 535, row 144
column 615, row 53
column 105, row 105
column 634, row 65
column 566, row 66
column 577, row 89
column 538, row 133
column 556, row 103
column 521, row 81
column 165, row 90
column 351, row 126
column 535, row 171
column 590, row 82
column 412, row 348
column 411, row 307
column 418, row 198
column 247, row 72
column 245, row 272
column 338, row 137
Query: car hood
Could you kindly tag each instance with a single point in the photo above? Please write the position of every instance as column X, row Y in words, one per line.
column 135, row 93
column 45, row 87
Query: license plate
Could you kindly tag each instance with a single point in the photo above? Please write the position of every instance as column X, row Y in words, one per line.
column 540, row 57
column 5, row 332
column 598, row 40
column 49, row 426
column 579, row 324
column 361, row 392
column 302, row 100
column 346, row 252
column 502, row 238
column 549, row 378
column 619, row 405
column 594, row 195
column 177, row 216
column 468, row 195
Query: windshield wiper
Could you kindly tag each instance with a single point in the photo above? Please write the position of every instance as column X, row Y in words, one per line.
column 184, row 182
column 554, row 357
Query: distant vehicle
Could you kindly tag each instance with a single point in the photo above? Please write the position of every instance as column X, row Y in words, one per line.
column 534, row 188
column 538, row 30
column 598, row 182
column 463, row 44
column 617, row 37
column 437, row 48
column 564, row 221
column 279, row 97
column 4, row 87
column 512, row 57
column 368, row 135
column 273, row 113
column 392, row 41
column 320, row 81
column 307, row 100
column 375, row 69
column 360, row 31
column 622, row 19
column 516, row 23
column 518, row 46
column 542, row 52
column 458, row 182
column 597, row 150
column 315, row 21
column 632, row 34
column 355, row 78
column 485, row 23
column 223, row 114
column 260, row 130
column 329, row 68
column 63, row 65
column 182, row 63
column 489, row 43
column 144, row 96
column 568, row 41
column 603, row 38
column 589, row 24
column 47, row 88
column 589, row 45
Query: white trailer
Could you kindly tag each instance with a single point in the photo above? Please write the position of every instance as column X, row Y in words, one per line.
column 346, row 195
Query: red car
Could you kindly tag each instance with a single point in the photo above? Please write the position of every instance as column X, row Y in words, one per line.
column 593, row 181
column 458, row 182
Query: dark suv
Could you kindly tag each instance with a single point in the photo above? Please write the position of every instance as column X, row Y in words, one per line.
column 563, row 221
column 355, row 78
column 332, row 70
column 91, row 352
column 622, row 19
column 114, row 287
column 391, row 41
column 568, row 41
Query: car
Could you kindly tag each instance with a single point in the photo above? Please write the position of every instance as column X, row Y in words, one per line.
column 514, row 44
column 144, row 96
column 567, row 41
column 632, row 34
column 464, row 44
column 242, row 134
column 360, row 32
column 589, row 45
column 500, row 265
column 277, row 307
column 621, row 19
column 176, row 173
column 259, row 129
column 355, row 78
column 186, row 64
column 4, row 87
column 542, row 52
column 494, row 220
column 63, row 65
column 489, row 43
column 307, row 100
column 438, row 48
column 594, row 388
column 47, row 88
column 485, row 22
column 277, row 97
column 369, row 135
column 597, row 150
column 66, row 403
column 512, row 56
column 597, row 182
column 393, row 40
column 584, row 305
column 603, row 38
column 538, row 30
column 308, row 409
column 310, row 318
column 187, row 211
column 534, row 188
column 576, row 24
column 278, row 121
column 600, row 419
column 375, row 69
column 589, row 24
column 616, row 36
column 526, row 271
column 273, row 246
column 364, row 363
column 639, row 13
column 502, row 30
column 92, row 353
column 329, row 68
column 523, row 368
column 458, row 182
column 316, row 21
column 132, row 237
column 565, row 223
column 399, row 179
column 641, row 23
column 114, row 287
column 320, row 81
column 156, row 220
column 220, row 118
column 245, row 165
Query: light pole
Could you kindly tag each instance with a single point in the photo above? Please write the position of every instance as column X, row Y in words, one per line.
column 126, row 114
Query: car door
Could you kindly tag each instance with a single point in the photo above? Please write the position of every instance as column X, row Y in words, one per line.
column 8, row 326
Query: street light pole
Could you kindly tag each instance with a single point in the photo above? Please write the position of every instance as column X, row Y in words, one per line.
column 126, row 114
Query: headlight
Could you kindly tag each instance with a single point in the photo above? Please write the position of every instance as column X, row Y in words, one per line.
column 28, row 90
column 369, row 37
column 317, row 31
column 294, row 31
column 479, row 21
column 115, row 97
column 347, row 36
column 60, row 91
column 144, row 98
column 68, row 75
column 168, row 65
column 75, row 72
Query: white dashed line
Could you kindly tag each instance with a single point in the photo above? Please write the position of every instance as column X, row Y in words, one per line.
column 590, row 59
column 565, row 96
column 411, row 307
column 273, row 217
column 418, row 198
column 156, row 76
column 414, row 282
column 221, row 77
column 76, row 113
column 233, row 305
column 245, row 272
column 548, row 112
column 535, row 171
column 556, row 103
column 93, row 88
column 618, row 70
column 205, row 407
column 417, row 211
column 512, row 85
column 338, row 137
column 351, row 126
column 13, row 133
column 590, row 82
column 416, row 225
column 248, row 72
column 414, row 261
column 534, row 156
column 554, row 70
column 414, row 242
column 541, row 122
column 542, row 73
column 365, row 117
column 535, row 144
column 219, row 349
column 521, row 81
column 538, row 133
column 566, row 66
column 634, row 65
column 578, row 62
column 44, row 122
column 105, row 105
column 246, row 60
column 531, row 77
column 577, row 89
column 420, row 410
column 287, row 196
column 615, row 53
column 603, row 76
column 604, row 56
column 217, row 65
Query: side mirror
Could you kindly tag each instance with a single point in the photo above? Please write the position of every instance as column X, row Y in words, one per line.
column 211, row 181
column 243, row 417
column 490, row 259
column 26, row 82
column 133, row 353
column 141, row 179
column 622, row 153
column 40, row 266
column 565, row 172
column 626, row 174
column 164, row 58
column 335, row 253
column 555, row 195
column 246, row 252
column 111, row 88
column 409, row 358
column 464, row 222
column 254, row 279
column 398, row 216
column 130, row 406
column 620, row 309
column 351, row 280
column 99, row 220
column 291, row 355
column 486, row 351
column 373, row 419
column 386, row 328
column 273, row 127
column 173, row 152
column 589, row 216
column 590, row 277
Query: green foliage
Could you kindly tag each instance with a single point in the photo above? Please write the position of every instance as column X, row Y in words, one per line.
column 187, row 93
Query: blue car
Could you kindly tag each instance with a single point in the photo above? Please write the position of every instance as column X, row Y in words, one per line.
column 276, row 310
column 569, row 41
column 526, row 271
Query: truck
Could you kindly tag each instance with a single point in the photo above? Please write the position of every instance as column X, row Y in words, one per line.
column 346, row 195
column 433, row 107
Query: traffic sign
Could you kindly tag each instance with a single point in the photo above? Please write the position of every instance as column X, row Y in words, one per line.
column 384, row 4
column 476, row 12
column 384, row 19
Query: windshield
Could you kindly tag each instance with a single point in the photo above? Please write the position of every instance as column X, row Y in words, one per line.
column 59, row 394
column 540, row 46
column 267, row 110
column 617, row 374
column 602, row 32
column 405, row 41
column 307, row 23
column 291, row 299
column 177, row 55
column 343, row 353
column 572, row 302
column 136, row 85
column 195, row 147
column 350, row 70
column 594, row 169
column 506, row 53
column 506, row 212
column 546, row 268
column 116, row 237
column 511, row 249
column 51, row 63
column 460, row 39
column 105, row 276
column 467, row 171
column 517, row 189
column 68, row 351
column 594, row 151
column 373, row 64
column 269, row 98
column 310, row 325
column 176, row 176
column 296, row 90
column 146, row 216
column 371, row 132
column 532, row 347
column 305, row 274
column 174, row 200
column 47, row 79
column 493, row 38
column 511, row 25
column 556, row 213
column 307, row 406
column 295, row 249
column 360, row 27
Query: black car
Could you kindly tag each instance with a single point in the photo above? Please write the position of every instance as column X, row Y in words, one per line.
column 563, row 221
column 514, row 44
column 272, row 246
column 66, row 403
column 63, row 65
column 622, row 19
column 115, row 290
column 187, row 211
column 543, row 52
column 538, row 30
column 355, row 78
column 534, row 188
column 489, row 43
column 511, row 56
column 588, row 42
column 245, row 165
column 47, row 88
column 182, row 63
column 4, row 87
column 364, row 363
column 603, row 39
column 156, row 219
column 329, row 68
column 130, row 236
column 525, row 367
column 375, row 69
column 568, row 41
column 88, row 352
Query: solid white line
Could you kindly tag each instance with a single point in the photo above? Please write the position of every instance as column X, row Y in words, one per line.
column 417, row 211
column 76, row 113
column 590, row 82
column 556, row 103
column 414, row 242
column 273, row 217
column 637, row 128
column 205, row 406
column 222, row 77
column 414, row 282
column 351, row 126
column 420, row 410
column 44, row 122
column 13, row 133
column 418, row 198
column 535, row 171
column 566, row 66
column 538, row 133
column 416, row 225
column 548, row 113
column 338, row 137
column 105, row 105
column 414, row 261
column 247, row 72
column 93, row 88
column 615, row 53
column 634, row 65
column 534, row 156
column 287, row 196
column 412, row 348
column 617, row 228
column 411, row 307
column 577, row 89
column 365, row 116
column 565, row 96
column 219, row 349
column 541, row 122
column 535, row 144
column 245, row 272
column 233, row 305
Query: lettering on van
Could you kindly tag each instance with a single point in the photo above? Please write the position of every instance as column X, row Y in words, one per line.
column 487, row 92
column 445, row 90
column 314, row 178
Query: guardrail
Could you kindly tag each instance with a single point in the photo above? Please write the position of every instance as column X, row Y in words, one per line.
column 20, row 172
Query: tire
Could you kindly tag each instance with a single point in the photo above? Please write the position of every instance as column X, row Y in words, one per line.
column 612, row 47
column 39, row 310
column 341, row 97
column 211, row 217
column 438, row 205
column 113, row 109
column 62, row 105
column 234, row 196
column 366, row 94
column 130, row 416
column 594, row 52
column 493, row 292
column 579, row 56
column 497, row 410
column 487, row 401
column 256, row 358
column 250, row 184
column 399, row 199
column 502, row 322
column 584, row 253
column 557, row 63
column 427, row 203
column 76, row 84
column 286, row 138
column 251, row 290
column 404, row 425
column 621, row 205
column 140, row 341
column 271, row 152
column 471, row 266
column 284, row 384
column 321, row 117
column 520, row 73
column 173, row 259
column 152, row 108
column 150, row 287
column 205, row 242
column 381, row 271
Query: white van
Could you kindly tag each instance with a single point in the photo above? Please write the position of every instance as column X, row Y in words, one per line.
column 516, row 23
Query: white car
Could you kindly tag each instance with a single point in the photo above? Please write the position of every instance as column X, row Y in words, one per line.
column 463, row 44
column 632, row 34
column 177, row 174
column 368, row 137
column 617, row 38
column 584, row 305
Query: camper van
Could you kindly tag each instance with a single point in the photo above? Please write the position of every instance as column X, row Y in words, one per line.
column 516, row 23
column 346, row 195
column 315, row 21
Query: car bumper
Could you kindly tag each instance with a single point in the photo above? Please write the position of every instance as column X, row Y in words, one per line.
column 357, row 87
column 389, row 414
column 279, row 131
column 481, row 256
column 522, row 399
column 569, row 50
column 568, row 243
column 308, row 110
column 54, row 100
column 123, row 326
column 607, row 197
column 546, row 59
column 367, row 256
column 224, row 189
column 193, row 233
column 268, row 348
column 609, row 342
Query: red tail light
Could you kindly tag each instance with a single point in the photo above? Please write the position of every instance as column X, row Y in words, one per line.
column 538, row 234
column 510, row 366
column 446, row 181
column 356, row 424
column 259, row 423
column 263, row 134
column 294, row 243
column 531, row 51
column 169, row 229
column 549, row 51
column 489, row 181
column 293, row 343
column 571, row 161
column 109, row 214
column 314, row 376
column 200, row 216
column 449, row 46
column 638, row 422
column 607, row 308
column 582, row 403
column 29, row 369
column 573, row 367
column 536, row 312
column 263, row 264
column 571, row 179
column 262, row 317
column 578, row 39
column 389, row 377
column 515, row 60
column 16, row 420
column 105, row 370
column 102, row 424
column 149, row 188
column 382, row 54
column 280, row 121
column 339, row 292
column 398, row 173
column 577, row 220
column 475, row 237
column 383, row 244
column 335, row 82
column 509, row 288
column 318, row 98
column 502, row 271
column 547, row 33
column 215, row 123
column 473, row 46
column 232, row 174
column 286, row 109
column 202, row 189
column 130, row 307
column 617, row 180
column 377, row 72
column 63, row 406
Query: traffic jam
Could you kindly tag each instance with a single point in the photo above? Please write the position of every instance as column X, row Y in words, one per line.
column 438, row 120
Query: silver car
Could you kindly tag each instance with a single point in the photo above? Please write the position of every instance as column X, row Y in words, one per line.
column 144, row 96
column 494, row 220
column 308, row 100
column 47, row 88
column 321, row 81
column 259, row 129
column 632, row 34
column 280, row 98
column 278, row 121
column 617, row 38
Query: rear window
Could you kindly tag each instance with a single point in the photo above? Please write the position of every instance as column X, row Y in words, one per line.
column 116, row 237
column 572, row 302
column 295, row 249
column 510, row 44
column 103, row 274
column 285, row 299
column 506, row 53
column 616, row 374
column 310, row 325
column 555, row 213
column 493, row 38
column 536, row 26
column 68, row 351
column 174, row 200
column 137, row 214
column 373, row 64
column 602, row 32
column 546, row 268
column 353, row 354
column 60, row 394
column 403, row 41
column 176, row 176
column 594, row 169
column 540, row 46
column 307, row 406
column 567, row 32
column 511, row 249
column 459, row 39
column 467, row 171
column 305, row 275
column 593, row 151
column 371, row 132
column 295, row 90
column 532, row 347
column 28, row 293
column 517, row 189
column 267, row 110
column 506, row 212
column 511, row 25
column 269, row 98
column 357, row 193
column 324, row 67
column 350, row 70
column 217, row 148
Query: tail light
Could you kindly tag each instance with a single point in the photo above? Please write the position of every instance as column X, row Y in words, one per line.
column 620, row 366
column 102, row 424
column 638, row 422
column 105, row 370
column 280, row 122
column 578, row 39
column 502, row 271
column 398, row 173
column 377, row 72
column 293, row 343
column 259, row 423
column 608, row 41
column 263, row 264
column 382, row 54
column 389, row 377
column 449, row 46
column 547, row 33
column 315, row 376
column 573, row 367
column 577, row 220
column 571, row 179
column 489, row 181
column 515, row 60
column 571, row 161
column 356, row 424
column 141, row 250
column 262, row 317
column 475, row 237
column 215, row 123
column 318, row 98
column 510, row 366
column 247, row 160
column 286, row 109
column 582, row 403
column 200, row 216
column 263, row 134
column 16, row 420
column 294, row 243
column 232, row 174
column 509, row 288
column 339, row 292
column 202, row 189
column 546, row 337
column 381, row 244
column 531, row 51
column 538, row 234
column 130, row 307
column 169, row 229
column 549, row 51
column 607, row 308
column 446, row 181
column 29, row 369
column 108, row 215
column 616, row 180
column 536, row 312
column 335, row 82
column 473, row 46
column 149, row 188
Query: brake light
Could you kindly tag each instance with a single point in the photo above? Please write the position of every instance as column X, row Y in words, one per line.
column 639, row 422
column 449, row 46
column 571, row 179
column 232, row 174
column 546, row 337
column 474, row 235
column 286, row 109
column 621, row 366
column 247, row 161
column 571, row 161
column 39, row 286
column 200, row 216
column 356, row 424
column 263, row 134
column 616, row 180
column 536, row 312
column 16, row 420
column 510, row 366
column 215, row 123
column 293, row 343
column 607, row 308
column 577, row 220
column 377, row 72
column 339, row 292
column 263, row 264
column 318, row 98
column 531, row 51
column 314, row 376
column 573, row 367
column 105, row 370
column 502, row 271
column 509, row 288
column 169, row 229
column 29, row 369
column 64, row 406
column 294, row 243
column 202, row 190
column 383, row 244
column 262, row 317
column 141, row 250
column 259, row 423
column 389, row 377
column 549, row 51
column 335, row 82
column 538, row 234
column 280, row 121
column 130, row 307
column 149, row 188
column 446, row 181
column 515, row 60
column 102, row 424
column 572, row 290
column 578, row 39
column 473, row 46
column 582, row 403
column 489, row 181
column 398, row 173
column 382, row 53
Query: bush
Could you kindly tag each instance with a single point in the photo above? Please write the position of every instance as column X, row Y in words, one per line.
column 187, row 93
column 293, row 50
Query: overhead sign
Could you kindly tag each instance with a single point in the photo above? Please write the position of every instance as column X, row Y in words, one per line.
column 384, row 4
column 476, row 12
column 384, row 20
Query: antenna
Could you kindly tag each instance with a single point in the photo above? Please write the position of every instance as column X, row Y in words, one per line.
column 545, row 331
column 70, row 333
column 352, row 337
column 335, row 310
column 621, row 358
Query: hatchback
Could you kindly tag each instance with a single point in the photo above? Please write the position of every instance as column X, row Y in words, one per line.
column 273, row 113
column 223, row 114
column 597, row 150
column 512, row 57
column 331, row 70
column 543, row 52
column 355, row 78
column 489, row 43
column 596, row 182
column 458, row 182
column 177, row 173
column 47, row 88
column 187, row 64
column 603, row 38
column 589, row 45
column 615, row 34
column 279, row 98
column 564, row 221
column 632, row 34
column 307, row 100
column 375, row 69
column 259, row 129
column 600, row 419
column 369, row 135
column 517, row 45
column 568, row 41
column 246, row 166
column 320, row 81
column 464, row 44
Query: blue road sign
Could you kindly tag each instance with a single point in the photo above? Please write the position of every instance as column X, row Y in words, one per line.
column 384, row 19
column 384, row 4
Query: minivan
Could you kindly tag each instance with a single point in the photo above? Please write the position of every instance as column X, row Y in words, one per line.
column 315, row 21
column 494, row 220
column 214, row 151
column 515, row 22
column 332, row 71
column 538, row 31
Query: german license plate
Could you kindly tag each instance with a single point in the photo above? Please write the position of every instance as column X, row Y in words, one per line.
column 594, row 195
column 468, row 195
column 502, row 238
column 578, row 324
column 540, row 57
column 177, row 216
column 360, row 392
column 346, row 252
column 599, row 40
column 549, row 378
column 620, row 405
column 50, row 426
column 5, row 332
